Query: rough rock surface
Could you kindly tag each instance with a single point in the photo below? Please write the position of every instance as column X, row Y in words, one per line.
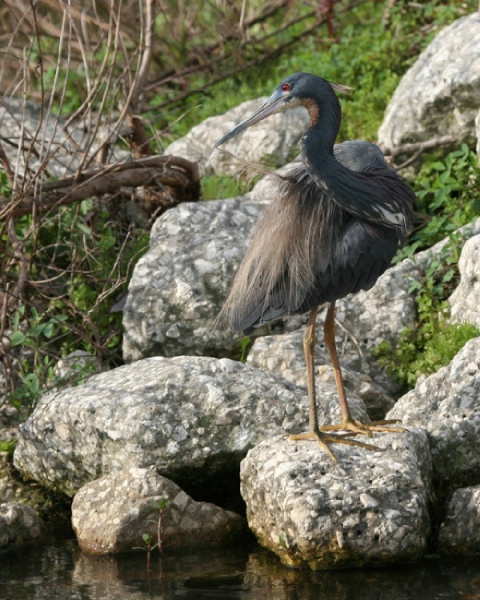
column 440, row 94
column 179, row 286
column 459, row 532
column 367, row 508
column 447, row 406
column 194, row 414
column 274, row 138
column 111, row 514
column 465, row 300
column 19, row 523
column 186, row 413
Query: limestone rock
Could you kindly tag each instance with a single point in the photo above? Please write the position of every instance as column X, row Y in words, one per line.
column 447, row 406
column 25, row 120
column 440, row 94
column 178, row 287
column 18, row 524
column 111, row 515
column 459, row 532
column 194, row 418
column 367, row 508
column 193, row 415
column 465, row 300
column 273, row 138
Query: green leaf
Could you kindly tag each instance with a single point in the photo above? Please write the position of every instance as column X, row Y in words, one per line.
column 17, row 338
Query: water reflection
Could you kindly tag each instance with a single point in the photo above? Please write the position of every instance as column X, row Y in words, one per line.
column 60, row 571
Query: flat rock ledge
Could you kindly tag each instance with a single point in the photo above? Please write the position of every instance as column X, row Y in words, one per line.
column 114, row 513
column 369, row 508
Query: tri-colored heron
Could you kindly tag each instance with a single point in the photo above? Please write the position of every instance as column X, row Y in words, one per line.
column 332, row 230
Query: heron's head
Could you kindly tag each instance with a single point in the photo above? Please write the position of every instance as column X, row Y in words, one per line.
column 297, row 89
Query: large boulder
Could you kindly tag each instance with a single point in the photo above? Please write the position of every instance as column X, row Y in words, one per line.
column 191, row 417
column 119, row 511
column 194, row 418
column 440, row 94
column 179, row 285
column 447, row 406
column 273, row 138
column 465, row 300
column 368, row 508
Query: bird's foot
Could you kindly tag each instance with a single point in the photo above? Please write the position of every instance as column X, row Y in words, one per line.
column 355, row 427
column 324, row 440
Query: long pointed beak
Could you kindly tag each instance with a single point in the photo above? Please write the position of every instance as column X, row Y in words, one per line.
column 275, row 102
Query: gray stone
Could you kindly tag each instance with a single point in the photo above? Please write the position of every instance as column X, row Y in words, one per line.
column 440, row 94
column 186, row 414
column 22, row 121
column 447, row 406
column 18, row 524
column 178, row 287
column 465, row 300
column 367, row 508
column 113, row 513
column 177, row 414
column 460, row 531
column 273, row 138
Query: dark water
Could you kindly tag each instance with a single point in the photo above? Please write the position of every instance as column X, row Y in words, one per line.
column 59, row 571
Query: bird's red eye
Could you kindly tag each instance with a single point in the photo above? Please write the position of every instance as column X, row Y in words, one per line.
column 286, row 87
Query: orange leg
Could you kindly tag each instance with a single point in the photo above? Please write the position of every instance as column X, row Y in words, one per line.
column 314, row 432
column 348, row 423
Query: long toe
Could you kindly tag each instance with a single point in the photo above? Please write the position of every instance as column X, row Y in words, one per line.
column 355, row 427
column 324, row 441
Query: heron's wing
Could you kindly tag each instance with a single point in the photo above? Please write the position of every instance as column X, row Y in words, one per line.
column 362, row 254
column 305, row 252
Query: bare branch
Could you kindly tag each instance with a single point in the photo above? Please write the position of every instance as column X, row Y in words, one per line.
column 416, row 149
column 157, row 171
column 416, row 146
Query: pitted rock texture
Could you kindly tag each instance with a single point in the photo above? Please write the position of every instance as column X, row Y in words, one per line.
column 274, row 138
column 440, row 94
column 113, row 513
column 178, row 287
column 186, row 413
column 460, row 531
column 447, row 406
column 367, row 508
column 465, row 300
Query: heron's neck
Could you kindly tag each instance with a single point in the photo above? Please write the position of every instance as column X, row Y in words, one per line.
column 317, row 145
